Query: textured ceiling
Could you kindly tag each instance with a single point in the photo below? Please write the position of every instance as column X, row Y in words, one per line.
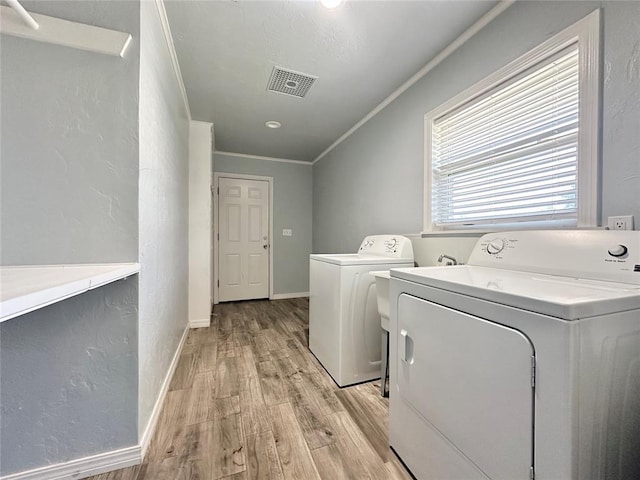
column 360, row 52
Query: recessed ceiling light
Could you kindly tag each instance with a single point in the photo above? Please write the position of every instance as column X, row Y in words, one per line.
column 331, row 3
column 273, row 124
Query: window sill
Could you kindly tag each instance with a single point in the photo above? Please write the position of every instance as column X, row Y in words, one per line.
column 455, row 233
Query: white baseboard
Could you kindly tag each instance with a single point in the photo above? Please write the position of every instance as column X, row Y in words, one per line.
column 200, row 323
column 283, row 296
column 108, row 461
column 150, row 429
column 83, row 467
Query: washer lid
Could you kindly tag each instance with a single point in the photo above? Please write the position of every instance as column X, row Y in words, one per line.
column 568, row 298
column 360, row 259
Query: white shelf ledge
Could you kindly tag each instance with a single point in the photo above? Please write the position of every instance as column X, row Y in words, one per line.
column 30, row 287
column 65, row 33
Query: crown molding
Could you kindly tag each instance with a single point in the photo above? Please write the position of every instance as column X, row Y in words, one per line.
column 259, row 157
column 452, row 47
column 164, row 20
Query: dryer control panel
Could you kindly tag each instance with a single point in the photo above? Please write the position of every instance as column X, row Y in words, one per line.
column 591, row 254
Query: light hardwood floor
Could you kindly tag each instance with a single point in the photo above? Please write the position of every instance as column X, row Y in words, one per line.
column 248, row 400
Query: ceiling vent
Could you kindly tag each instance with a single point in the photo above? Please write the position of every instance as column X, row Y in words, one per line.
column 289, row 82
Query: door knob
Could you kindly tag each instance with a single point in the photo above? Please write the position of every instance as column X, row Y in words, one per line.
column 265, row 246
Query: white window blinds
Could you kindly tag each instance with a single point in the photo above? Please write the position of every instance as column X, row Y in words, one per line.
column 510, row 155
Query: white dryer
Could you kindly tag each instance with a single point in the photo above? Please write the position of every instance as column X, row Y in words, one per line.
column 523, row 364
column 344, row 325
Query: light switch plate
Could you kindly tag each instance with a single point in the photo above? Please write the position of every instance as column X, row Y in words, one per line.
column 287, row 232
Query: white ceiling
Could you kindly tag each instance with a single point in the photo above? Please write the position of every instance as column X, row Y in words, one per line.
column 360, row 52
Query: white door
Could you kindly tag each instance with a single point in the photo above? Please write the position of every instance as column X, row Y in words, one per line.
column 243, row 247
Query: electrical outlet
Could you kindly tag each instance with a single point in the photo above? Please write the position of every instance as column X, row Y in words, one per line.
column 287, row 232
column 620, row 222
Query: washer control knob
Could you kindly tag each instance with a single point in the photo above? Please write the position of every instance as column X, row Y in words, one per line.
column 618, row 251
column 495, row 246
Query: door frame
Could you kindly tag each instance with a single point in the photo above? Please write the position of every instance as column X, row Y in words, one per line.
column 216, row 227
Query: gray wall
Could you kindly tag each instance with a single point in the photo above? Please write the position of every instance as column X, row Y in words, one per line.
column 69, row 150
column 373, row 182
column 292, row 198
column 69, row 379
column 69, row 194
column 78, row 186
column 164, row 202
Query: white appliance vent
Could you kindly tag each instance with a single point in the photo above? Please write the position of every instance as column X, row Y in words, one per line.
column 289, row 82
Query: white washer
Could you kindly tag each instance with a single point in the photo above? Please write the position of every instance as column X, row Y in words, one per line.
column 344, row 326
column 523, row 364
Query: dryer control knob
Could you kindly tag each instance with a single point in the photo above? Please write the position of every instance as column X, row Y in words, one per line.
column 618, row 251
column 495, row 246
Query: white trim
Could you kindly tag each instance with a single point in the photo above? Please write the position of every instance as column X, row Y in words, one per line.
column 589, row 136
column 259, row 157
column 200, row 218
column 214, row 193
column 216, row 186
column 172, row 53
column 214, row 215
column 150, row 429
column 200, row 323
column 585, row 33
column 209, row 124
column 284, row 296
column 452, row 47
column 427, row 224
column 83, row 467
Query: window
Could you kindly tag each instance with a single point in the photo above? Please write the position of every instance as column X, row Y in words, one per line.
column 520, row 149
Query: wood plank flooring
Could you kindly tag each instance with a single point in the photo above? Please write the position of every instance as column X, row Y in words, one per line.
column 248, row 400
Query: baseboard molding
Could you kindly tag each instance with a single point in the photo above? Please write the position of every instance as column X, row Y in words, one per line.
column 83, row 467
column 150, row 429
column 108, row 461
column 200, row 323
column 283, row 296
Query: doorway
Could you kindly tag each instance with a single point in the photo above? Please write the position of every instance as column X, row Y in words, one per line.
column 242, row 241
